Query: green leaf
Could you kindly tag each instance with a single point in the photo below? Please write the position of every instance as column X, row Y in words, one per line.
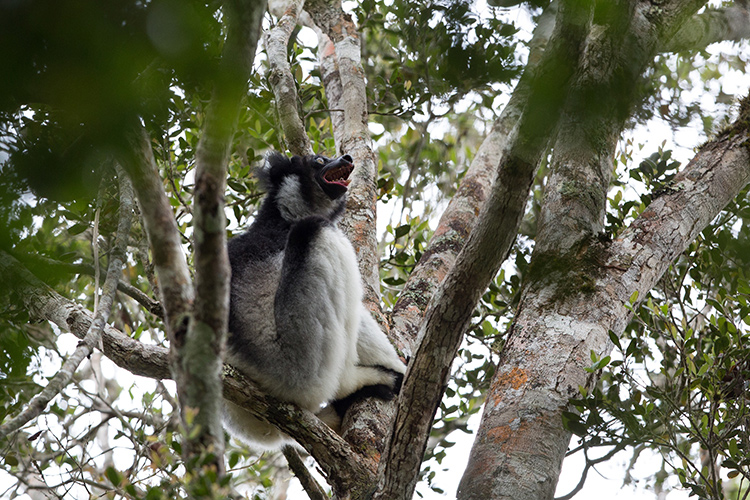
column 615, row 339
column 113, row 475
column 77, row 229
column 402, row 231
column 572, row 422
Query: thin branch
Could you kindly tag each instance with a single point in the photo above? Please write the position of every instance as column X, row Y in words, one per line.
column 93, row 336
column 333, row 454
column 589, row 464
column 167, row 146
column 45, row 304
column 309, row 484
column 151, row 305
column 175, row 284
column 344, row 468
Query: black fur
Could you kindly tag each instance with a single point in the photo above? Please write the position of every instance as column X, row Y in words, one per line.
column 380, row 391
column 297, row 325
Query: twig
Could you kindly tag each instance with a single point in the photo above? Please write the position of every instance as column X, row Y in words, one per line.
column 170, row 174
column 589, row 463
column 93, row 336
column 151, row 305
column 95, row 251
column 309, row 484
column 323, row 110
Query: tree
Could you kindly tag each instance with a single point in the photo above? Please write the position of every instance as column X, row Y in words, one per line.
column 159, row 102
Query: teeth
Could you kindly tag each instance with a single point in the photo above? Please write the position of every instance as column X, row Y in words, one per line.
column 339, row 176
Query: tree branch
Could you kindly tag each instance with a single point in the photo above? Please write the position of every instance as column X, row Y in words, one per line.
column 280, row 77
column 719, row 171
column 200, row 352
column 714, row 25
column 561, row 317
column 450, row 311
column 311, row 487
column 175, row 285
column 542, row 365
column 92, row 338
column 589, row 464
column 459, row 217
column 353, row 133
column 346, row 470
column 151, row 305
column 45, row 304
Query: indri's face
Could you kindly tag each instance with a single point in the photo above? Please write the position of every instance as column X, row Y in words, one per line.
column 308, row 185
column 332, row 175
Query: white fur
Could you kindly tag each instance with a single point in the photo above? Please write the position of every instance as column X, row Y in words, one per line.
column 291, row 204
column 346, row 345
column 294, row 207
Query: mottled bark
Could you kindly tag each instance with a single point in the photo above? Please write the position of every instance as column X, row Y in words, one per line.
column 450, row 310
column 352, row 133
column 348, row 473
column 567, row 312
column 714, row 25
column 282, row 81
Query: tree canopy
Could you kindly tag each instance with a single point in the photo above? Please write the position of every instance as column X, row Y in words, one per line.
column 535, row 257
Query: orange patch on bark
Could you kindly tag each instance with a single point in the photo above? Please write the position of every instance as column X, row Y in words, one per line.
column 329, row 49
column 500, row 434
column 515, row 378
column 507, row 437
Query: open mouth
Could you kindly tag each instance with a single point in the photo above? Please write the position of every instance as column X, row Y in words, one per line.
column 339, row 174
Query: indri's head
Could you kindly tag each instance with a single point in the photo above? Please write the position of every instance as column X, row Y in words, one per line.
column 306, row 185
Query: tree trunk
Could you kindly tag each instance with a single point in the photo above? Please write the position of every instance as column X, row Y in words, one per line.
column 571, row 303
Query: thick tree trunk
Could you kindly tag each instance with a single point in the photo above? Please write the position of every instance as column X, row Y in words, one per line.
column 449, row 312
column 521, row 441
column 568, row 309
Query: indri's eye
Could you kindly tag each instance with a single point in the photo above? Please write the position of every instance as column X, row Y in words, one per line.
column 320, row 160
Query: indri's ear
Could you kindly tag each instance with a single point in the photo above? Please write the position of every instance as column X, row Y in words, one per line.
column 274, row 166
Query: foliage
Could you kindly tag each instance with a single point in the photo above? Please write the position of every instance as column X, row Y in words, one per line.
column 680, row 373
column 81, row 73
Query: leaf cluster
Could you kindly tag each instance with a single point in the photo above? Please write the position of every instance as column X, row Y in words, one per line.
column 679, row 377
